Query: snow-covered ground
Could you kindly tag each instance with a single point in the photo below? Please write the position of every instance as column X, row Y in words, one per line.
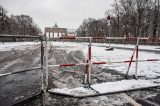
column 108, row 87
column 146, row 69
column 142, row 47
column 16, row 45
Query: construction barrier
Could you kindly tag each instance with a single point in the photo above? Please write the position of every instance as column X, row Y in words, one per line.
column 109, row 38
column 125, row 39
column 18, row 38
column 15, row 38
column 16, row 72
column 89, row 63
column 101, row 62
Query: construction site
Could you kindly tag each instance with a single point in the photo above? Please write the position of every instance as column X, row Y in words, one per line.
column 58, row 71
column 109, row 61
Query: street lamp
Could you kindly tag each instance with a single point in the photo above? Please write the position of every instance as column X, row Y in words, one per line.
column 109, row 31
column 109, row 20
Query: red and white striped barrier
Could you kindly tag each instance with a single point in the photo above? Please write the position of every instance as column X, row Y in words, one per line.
column 88, row 71
column 89, row 63
column 128, row 61
column 111, row 38
column 101, row 62
column 131, row 60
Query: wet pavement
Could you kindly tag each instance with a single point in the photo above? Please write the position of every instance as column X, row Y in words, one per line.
column 17, row 87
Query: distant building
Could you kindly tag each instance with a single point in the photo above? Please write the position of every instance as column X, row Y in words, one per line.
column 55, row 32
column 71, row 32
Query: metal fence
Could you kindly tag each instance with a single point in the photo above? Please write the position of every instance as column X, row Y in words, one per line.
column 44, row 58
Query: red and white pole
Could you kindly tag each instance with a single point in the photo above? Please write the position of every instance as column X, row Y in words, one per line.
column 88, row 66
column 101, row 62
column 130, row 62
column 89, row 60
column 135, row 50
column 86, row 73
column 136, row 58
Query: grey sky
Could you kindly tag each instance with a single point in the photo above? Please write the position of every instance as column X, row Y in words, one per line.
column 67, row 13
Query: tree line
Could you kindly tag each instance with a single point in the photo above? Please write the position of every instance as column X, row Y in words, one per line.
column 134, row 18
column 17, row 24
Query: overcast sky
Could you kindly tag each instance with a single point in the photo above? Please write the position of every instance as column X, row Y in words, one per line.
column 66, row 13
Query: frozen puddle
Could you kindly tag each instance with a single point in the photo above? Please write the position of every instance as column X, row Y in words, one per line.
column 107, row 88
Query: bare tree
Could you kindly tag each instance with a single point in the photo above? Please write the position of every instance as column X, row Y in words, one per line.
column 18, row 24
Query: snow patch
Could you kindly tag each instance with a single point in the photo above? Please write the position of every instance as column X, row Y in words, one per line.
column 122, row 85
column 107, row 87
column 17, row 45
column 75, row 91
column 146, row 69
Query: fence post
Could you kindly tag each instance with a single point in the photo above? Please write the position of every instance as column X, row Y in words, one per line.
column 42, row 50
column 89, row 60
column 43, row 84
column 46, row 63
column 136, row 58
column 130, row 62
column 136, row 69
column 86, row 74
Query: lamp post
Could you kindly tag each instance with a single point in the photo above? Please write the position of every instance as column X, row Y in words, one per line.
column 109, row 27
column 109, row 31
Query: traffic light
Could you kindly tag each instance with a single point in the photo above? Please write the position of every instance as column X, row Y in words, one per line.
column 1, row 14
column 108, row 17
column 1, row 11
